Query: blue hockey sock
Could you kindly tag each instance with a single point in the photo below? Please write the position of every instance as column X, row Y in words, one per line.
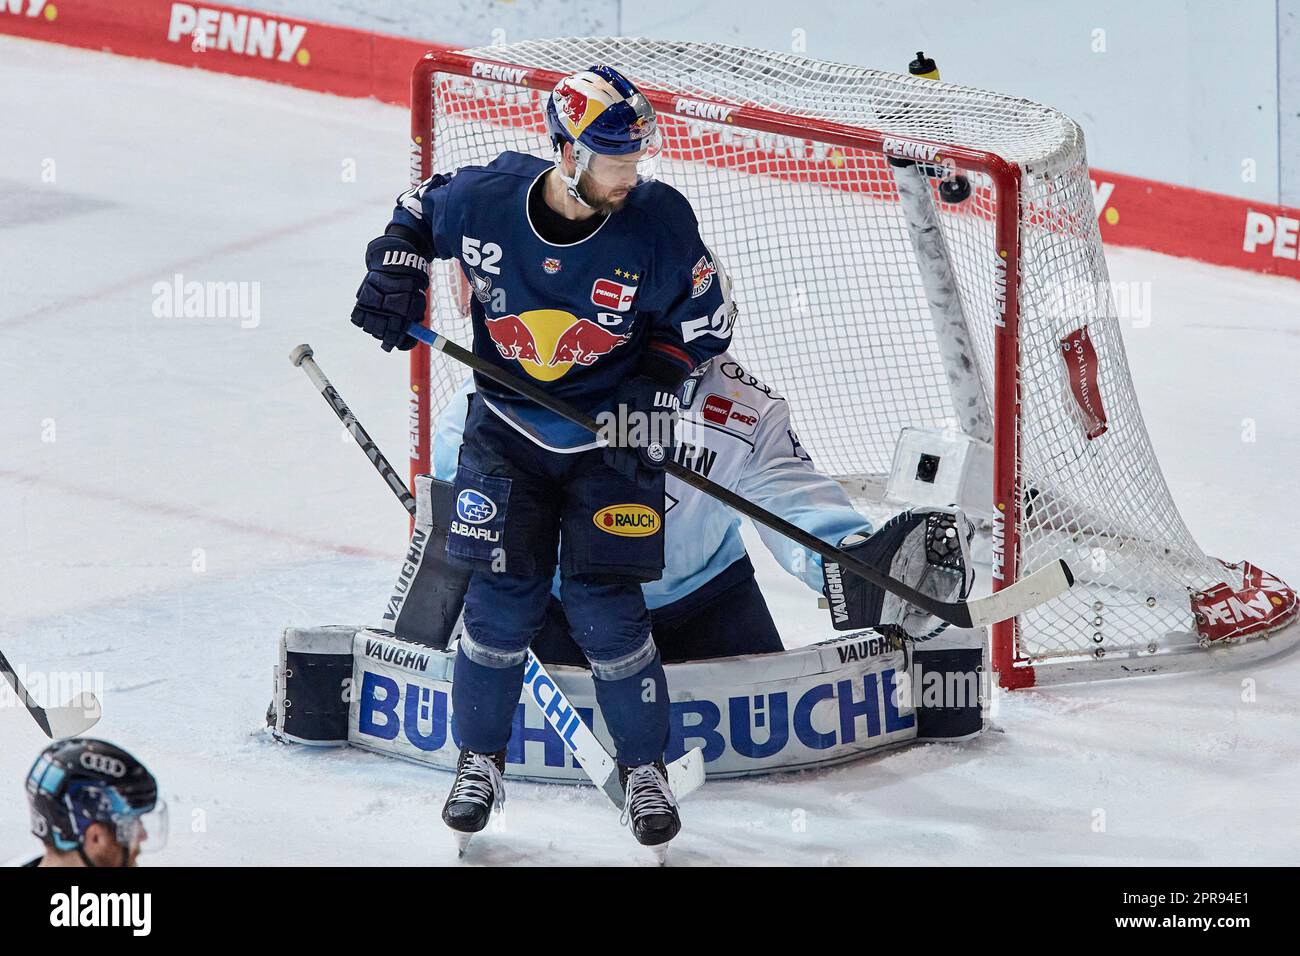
column 483, row 703
column 635, row 709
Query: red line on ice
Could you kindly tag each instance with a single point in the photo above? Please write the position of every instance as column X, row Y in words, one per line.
column 190, row 513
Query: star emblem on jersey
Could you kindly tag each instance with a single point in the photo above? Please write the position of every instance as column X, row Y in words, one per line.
column 702, row 277
column 548, row 342
column 551, row 266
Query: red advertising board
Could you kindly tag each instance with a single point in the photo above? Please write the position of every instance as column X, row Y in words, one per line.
column 1132, row 211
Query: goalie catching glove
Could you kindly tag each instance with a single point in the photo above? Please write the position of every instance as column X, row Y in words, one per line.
column 927, row 549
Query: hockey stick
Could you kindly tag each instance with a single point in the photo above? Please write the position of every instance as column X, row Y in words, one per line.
column 1027, row 593
column 302, row 357
column 685, row 774
column 71, row 720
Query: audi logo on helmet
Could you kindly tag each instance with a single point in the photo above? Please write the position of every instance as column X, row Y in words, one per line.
column 103, row 763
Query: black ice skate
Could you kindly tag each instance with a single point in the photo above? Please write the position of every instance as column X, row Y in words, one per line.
column 477, row 790
column 649, row 806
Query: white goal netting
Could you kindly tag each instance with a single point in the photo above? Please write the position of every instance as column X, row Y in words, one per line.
column 834, row 313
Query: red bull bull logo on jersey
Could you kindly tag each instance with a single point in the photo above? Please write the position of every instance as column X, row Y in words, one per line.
column 547, row 342
column 514, row 340
column 584, row 342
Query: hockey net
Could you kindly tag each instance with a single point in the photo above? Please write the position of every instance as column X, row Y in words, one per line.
column 787, row 163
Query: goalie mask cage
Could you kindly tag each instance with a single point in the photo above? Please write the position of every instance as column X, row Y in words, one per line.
column 874, row 296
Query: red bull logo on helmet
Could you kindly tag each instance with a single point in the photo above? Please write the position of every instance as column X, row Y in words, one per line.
column 572, row 103
column 547, row 342
column 577, row 105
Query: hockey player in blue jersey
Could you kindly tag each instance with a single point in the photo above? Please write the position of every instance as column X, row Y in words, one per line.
column 589, row 279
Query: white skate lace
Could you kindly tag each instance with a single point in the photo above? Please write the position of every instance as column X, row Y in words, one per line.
column 646, row 792
column 479, row 781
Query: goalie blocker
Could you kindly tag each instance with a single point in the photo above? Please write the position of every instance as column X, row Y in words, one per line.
column 387, row 689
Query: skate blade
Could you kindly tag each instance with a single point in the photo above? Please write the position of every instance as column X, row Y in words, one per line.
column 462, row 842
column 661, row 853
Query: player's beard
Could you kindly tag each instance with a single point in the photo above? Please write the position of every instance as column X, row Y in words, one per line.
column 601, row 202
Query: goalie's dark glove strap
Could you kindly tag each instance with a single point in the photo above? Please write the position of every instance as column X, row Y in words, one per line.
column 855, row 604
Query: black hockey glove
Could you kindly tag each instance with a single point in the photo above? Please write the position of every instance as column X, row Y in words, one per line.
column 926, row 548
column 392, row 295
column 642, row 431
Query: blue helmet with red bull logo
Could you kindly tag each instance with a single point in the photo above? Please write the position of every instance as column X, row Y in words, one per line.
column 78, row 782
column 601, row 111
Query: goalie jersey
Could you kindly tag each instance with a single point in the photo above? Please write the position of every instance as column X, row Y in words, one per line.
column 736, row 431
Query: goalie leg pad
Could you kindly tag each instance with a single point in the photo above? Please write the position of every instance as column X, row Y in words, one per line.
column 430, row 589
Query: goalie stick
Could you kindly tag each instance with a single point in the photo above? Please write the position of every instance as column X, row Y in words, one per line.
column 685, row 774
column 1011, row 601
column 71, row 720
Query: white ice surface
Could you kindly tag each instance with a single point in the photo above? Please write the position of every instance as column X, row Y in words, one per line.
column 184, row 443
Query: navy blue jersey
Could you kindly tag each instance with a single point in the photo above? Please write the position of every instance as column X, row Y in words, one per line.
column 579, row 318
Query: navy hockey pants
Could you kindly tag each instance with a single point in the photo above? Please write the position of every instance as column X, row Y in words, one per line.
column 512, row 498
